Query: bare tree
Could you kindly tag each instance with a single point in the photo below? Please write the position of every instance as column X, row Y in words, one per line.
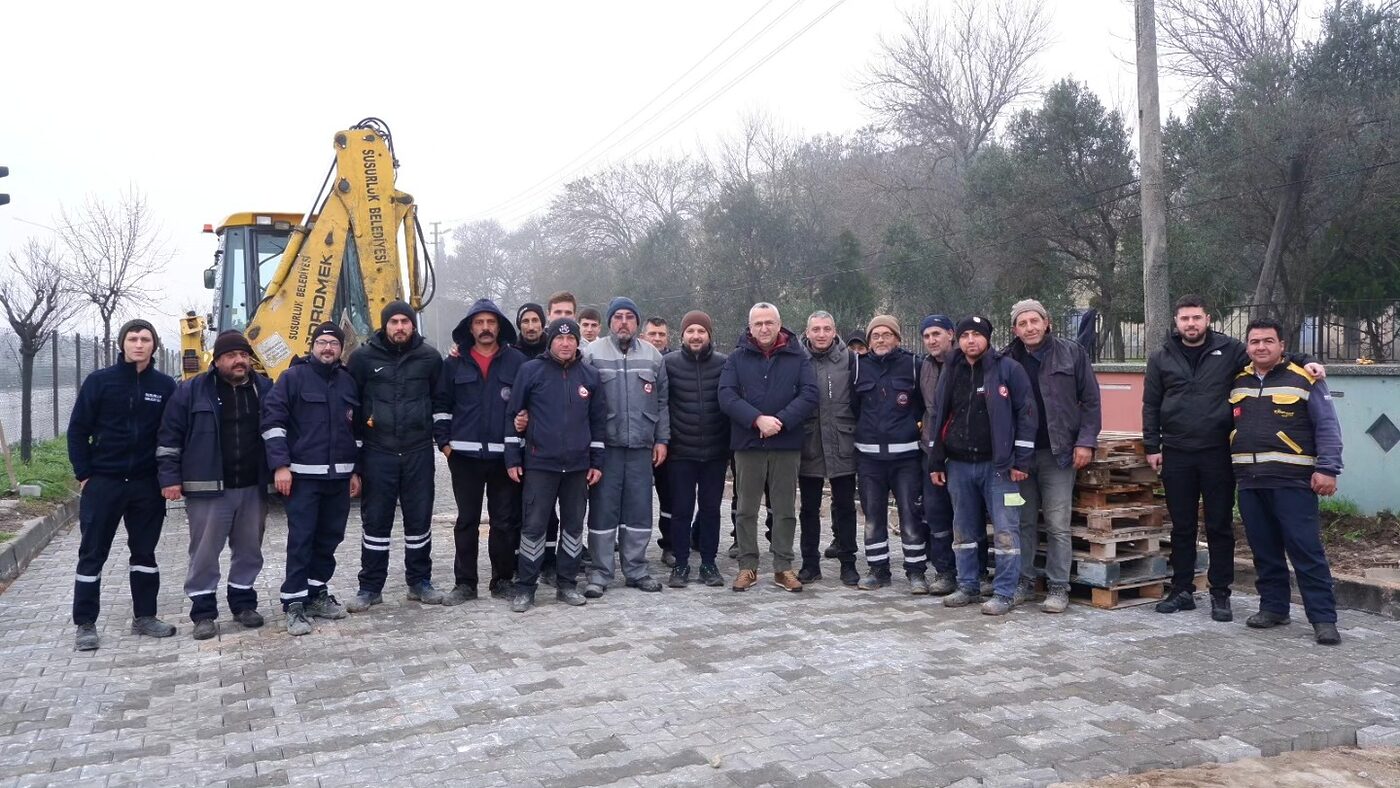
column 485, row 265
column 946, row 82
column 118, row 252
column 1217, row 41
column 33, row 295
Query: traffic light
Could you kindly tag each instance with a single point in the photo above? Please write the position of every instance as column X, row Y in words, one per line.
column 4, row 198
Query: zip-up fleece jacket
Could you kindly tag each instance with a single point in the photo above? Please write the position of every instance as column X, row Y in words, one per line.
column 1010, row 408
column 888, row 405
column 396, row 387
column 112, row 430
column 1071, row 394
column 308, row 421
column 190, row 451
column 828, row 445
column 780, row 384
column 568, row 414
column 474, row 420
column 699, row 429
column 639, row 415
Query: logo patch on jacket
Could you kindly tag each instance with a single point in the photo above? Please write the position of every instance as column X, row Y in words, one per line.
column 583, row 392
column 505, row 393
column 902, row 398
column 1004, row 391
column 646, row 387
column 151, row 396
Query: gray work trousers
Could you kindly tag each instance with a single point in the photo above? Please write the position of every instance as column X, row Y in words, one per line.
column 619, row 507
column 234, row 517
column 753, row 471
column 1049, row 495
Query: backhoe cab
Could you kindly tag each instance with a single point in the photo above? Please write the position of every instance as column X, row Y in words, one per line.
column 276, row 276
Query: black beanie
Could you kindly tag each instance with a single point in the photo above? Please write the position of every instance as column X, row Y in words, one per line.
column 328, row 328
column 561, row 327
column 136, row 324
column 397, row 308
column 229, row 341
column 976, row 323
column 528, row 307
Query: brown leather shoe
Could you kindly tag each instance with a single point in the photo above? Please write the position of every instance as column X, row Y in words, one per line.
column 787, row 580
column 748, row 578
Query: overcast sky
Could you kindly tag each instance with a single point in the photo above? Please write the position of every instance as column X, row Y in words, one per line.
column 212, row 108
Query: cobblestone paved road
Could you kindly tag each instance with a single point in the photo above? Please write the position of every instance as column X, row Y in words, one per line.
column 694, row 687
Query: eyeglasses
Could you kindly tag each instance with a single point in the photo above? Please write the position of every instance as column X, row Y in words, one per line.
column 882, row 335
column 326, row 343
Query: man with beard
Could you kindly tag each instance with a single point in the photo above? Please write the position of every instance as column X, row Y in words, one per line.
column 529, row 324
column 937, row 334
column 476, row 386
column 829, row 453
column 211, row 453
column 310, row 434
column 658, row 335
column 397, row 374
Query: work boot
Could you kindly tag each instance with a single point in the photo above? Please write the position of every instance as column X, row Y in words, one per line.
column 668, row 558
column 831, row 551
column 1264, row 620
column 960, row 598
column 1176, row 602
column 325, row 606
column 151, row 627
column 499, row 588
column 998, row 605
column 874, row 579
column 648, row 584
column 463, row 593
column 734, row 550
column 547, row 573
column 809, row 574
column 249, row 618
column 710, row 576
column 425, row 594
column 849, row 575
column 522, row 601
column 787, row 580
column 86, row 639
column 297, row 622
column 680, row 577
column 1326, row 634
column 747, row 579
column 918, row 583
column 594, row 591
column 205, row 628
column 1220, row 608
column 944, row 583
column 1056, row 601
column 363, row 600
column 986, row 587
column 570, row 596
column 1025, row 591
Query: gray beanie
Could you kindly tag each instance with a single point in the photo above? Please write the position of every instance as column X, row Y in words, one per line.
column 1028, row 305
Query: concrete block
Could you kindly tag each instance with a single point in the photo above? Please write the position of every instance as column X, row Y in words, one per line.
column 1376, row 736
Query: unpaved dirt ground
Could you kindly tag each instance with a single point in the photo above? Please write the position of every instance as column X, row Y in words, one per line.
column 1336, row 768
column 1353, row 544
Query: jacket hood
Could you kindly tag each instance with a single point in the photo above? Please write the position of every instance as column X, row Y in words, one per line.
column 838, row 346
column 747, row 342
column 462, row 334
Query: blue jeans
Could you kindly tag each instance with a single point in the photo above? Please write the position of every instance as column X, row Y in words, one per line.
column 1285, row 521
column 1050, row 492
column 979, row 493
column 938, row 517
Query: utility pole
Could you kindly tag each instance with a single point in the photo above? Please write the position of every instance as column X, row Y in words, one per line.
column 437, row 313
column 1156, row 305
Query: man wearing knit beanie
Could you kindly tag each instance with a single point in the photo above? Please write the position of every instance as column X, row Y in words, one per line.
column 529, row 324
column 983, row 444
column 697, row 318
column 396, row 373
column 936, row 331
column 1067, row 430
column 889, row 462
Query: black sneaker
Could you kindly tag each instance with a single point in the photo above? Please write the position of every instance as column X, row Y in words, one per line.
column 499, row 587
column 1326, row 634
column 1220, row 608
column 1264, row 620
column 648, row 584
column 249, row 618
column 680, row 577
column 464, row 593
column 1176, row 602
column 809, row 574
column 205, row 628
column 849, row 575
column 831, row 551
column 151, row 627
column 86, row 639
column 710, row 576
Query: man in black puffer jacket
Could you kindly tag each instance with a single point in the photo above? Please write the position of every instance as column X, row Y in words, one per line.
column 397, row 374
column 699, row 450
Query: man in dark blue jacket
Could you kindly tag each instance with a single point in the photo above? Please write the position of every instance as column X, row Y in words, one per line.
column 768, row 390
column 112, row 447
column 308, row 423
column 888, row 406
column 983, row 445
column 476, row 388
column 699, row 449
column 1067, row 431
column 396, row 373
column 211, row 453
column 559, row 457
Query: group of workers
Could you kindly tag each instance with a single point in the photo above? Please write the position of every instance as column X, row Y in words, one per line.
column 555, row 423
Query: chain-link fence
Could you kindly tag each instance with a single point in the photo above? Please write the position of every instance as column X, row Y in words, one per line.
column 59, row 369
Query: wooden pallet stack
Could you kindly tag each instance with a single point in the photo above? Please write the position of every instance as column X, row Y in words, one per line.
column 1118, row 528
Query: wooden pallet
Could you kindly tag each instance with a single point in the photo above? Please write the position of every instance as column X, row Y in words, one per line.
column 1118, row 517
column 1111, row 443
column 1129, row 595
column 1112, row 573
column 1097, row 475
column 1110, row 497
column 1122, row 542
